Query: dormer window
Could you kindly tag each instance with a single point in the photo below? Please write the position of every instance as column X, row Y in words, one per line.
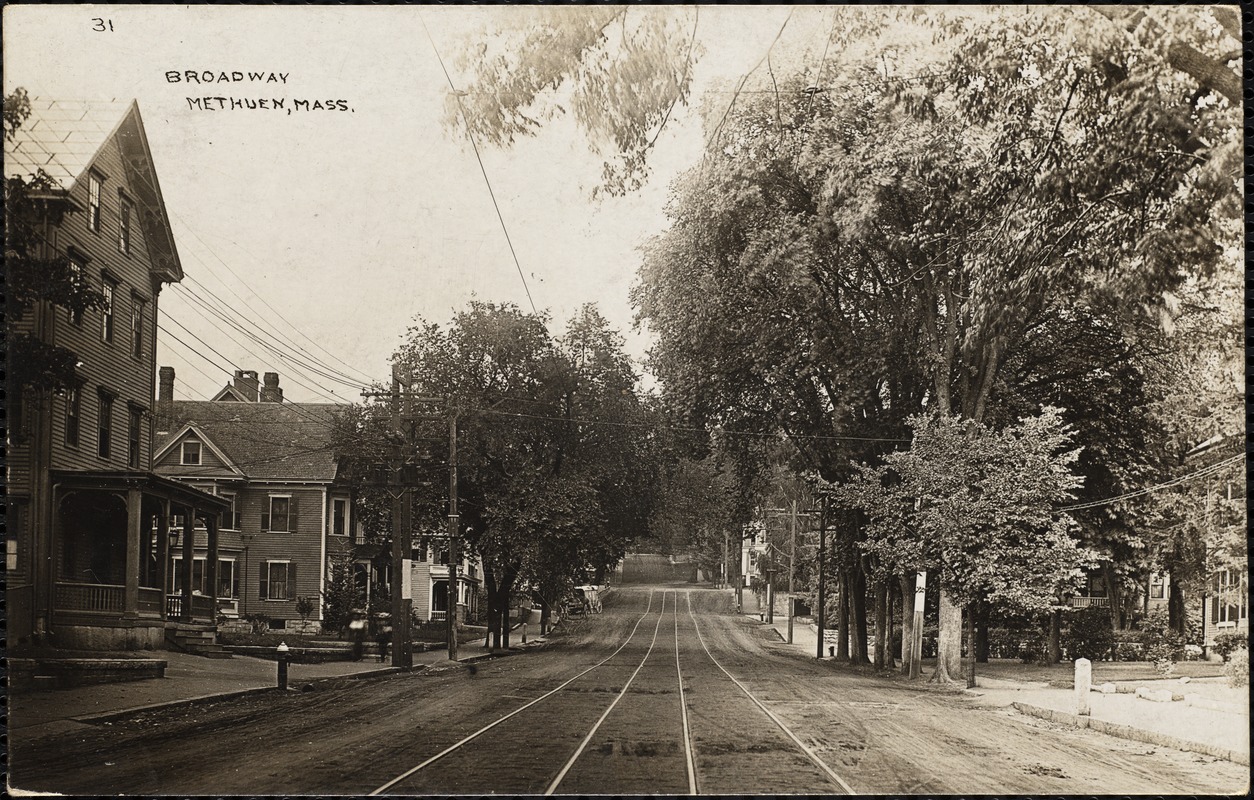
column 191, row 453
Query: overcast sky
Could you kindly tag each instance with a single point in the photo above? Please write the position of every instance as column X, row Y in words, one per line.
column 351, row 224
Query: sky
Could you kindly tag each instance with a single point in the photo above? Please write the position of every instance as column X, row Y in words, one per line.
column 335, row 230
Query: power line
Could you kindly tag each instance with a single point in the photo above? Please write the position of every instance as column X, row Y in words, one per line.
column 470, row 135
column 276, row 312
column 722, row 431
column 1204, row 471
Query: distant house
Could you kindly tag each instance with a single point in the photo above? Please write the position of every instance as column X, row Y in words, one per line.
column 430, row 580
column 286, row 508
column 88, row 540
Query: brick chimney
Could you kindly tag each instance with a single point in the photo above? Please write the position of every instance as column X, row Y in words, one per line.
column 245, row 383
column 270, row 392
column 165, row 398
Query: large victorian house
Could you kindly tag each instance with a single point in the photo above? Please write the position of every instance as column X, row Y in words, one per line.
column 89, row 541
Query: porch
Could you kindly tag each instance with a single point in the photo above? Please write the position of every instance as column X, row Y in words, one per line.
column 114, row 539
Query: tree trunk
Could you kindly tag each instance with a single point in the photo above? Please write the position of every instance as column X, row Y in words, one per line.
column 971, row 645
column 545, row 616
column 858, row 654
column 842, row 620
column 949, row 641
column 1055, row 637
column 1116, row 596
column 889, row 660
column 881, row 627
column 981, row 634
column 494, row 619
column 907, row 621
column 1175, row 607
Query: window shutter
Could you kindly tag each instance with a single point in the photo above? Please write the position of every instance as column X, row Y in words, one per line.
column 291, row 581
column 1214, row 609
column 291, row 513
column 265, row 520
column 262, row 593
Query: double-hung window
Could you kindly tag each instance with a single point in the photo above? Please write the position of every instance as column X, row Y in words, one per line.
column 138, row 306
column 134, row 421
column 73, row 413
column 94, row 184
column 339, row 517
column 230, row 517
column 78, row 267
column 108, row 287
column 278, row 579
column 278, row 518
column 190, row 453
column 104, row 424
column 124, row 225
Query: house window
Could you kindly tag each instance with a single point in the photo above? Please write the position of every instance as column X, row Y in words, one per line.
column 191, row 453
column 132, row 437
column 198, row 574
column 104, row 426
column 228, row 578
column 93, row 202
column 278, row 518
column 108, row 287
column 277, row 580
column 138, row 304
column 1228, row 603
column 73, row 413
column 124, row 225
column 230, row 517
column 339, row 517
column 1157, row 588
column 77, row 267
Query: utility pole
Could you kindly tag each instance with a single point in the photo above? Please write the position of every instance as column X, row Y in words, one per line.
column 792, row 552
column 402, row 656
column 916, row 647
column 822, row 610
column 726, row 574
column 454, row 550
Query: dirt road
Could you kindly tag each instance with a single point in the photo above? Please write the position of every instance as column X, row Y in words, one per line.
column 665, row 692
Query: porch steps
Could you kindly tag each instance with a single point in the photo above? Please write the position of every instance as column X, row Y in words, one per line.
column 198, row 640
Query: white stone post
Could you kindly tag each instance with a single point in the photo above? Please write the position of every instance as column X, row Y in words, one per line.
column 1083, row 681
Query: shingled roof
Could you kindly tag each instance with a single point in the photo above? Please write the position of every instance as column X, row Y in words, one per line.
column 266, row 441
column 61, row 138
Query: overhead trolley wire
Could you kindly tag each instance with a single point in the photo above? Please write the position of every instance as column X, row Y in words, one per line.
column 470, row 134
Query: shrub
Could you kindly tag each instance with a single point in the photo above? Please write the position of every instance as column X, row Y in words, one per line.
column 259, row 622
column 1129, row 645
column 1161, row 642
column 1228, row 643
column 1089, row 634
column 1237, row 669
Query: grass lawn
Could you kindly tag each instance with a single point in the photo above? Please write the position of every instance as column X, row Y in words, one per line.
column 1062, row 675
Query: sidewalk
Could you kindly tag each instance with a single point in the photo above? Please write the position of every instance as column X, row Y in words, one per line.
column 188, row 678
column 1210, row 719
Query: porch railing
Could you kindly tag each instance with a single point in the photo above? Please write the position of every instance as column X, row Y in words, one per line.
column 150, row 601
column 89, row 598
column 202, row 607
column 1090, row 602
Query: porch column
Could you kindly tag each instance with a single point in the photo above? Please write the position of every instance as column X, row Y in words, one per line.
column 134, row 518
column 211, row 564
column 163, row 551
column 189, row 552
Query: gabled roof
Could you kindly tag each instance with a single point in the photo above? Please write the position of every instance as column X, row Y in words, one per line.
column 204, row 439
column 230, row 394
column 266, row 441
column 63, row 137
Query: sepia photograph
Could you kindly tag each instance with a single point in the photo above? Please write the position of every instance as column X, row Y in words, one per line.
column 586, row 399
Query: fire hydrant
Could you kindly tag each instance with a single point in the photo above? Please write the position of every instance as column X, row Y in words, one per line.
column 282, row 651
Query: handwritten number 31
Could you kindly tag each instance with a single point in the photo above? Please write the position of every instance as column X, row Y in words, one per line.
column 102, row 24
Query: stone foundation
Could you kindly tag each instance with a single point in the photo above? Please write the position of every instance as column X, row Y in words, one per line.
column 91, row 637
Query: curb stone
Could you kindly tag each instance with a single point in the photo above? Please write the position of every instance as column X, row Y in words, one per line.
column 1133, row 734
